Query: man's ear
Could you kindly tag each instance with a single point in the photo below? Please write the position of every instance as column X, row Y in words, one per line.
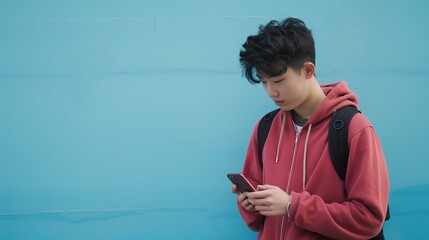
column 309, row 69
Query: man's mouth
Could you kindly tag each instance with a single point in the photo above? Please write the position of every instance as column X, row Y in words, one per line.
column 279, row 102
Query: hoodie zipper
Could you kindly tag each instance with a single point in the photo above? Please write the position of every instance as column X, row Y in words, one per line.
column 289, row 178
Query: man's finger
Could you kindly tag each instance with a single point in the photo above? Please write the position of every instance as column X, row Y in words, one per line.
column 265, row 187
column 259, row 202
column 234, row 189
column 241, row 197
column 257, row 194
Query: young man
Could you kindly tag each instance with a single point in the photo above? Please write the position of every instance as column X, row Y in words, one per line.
column 299, row 193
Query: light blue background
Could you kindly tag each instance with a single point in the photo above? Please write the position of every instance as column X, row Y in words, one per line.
column 120, row 119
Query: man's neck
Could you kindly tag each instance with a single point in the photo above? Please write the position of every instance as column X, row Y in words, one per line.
column 313, row 100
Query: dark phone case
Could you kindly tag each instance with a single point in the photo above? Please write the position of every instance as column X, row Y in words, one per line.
column 242, row 183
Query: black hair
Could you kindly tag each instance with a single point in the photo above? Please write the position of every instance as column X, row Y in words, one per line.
column 277, row 46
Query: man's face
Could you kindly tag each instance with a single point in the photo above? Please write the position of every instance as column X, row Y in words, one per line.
column 288, row 90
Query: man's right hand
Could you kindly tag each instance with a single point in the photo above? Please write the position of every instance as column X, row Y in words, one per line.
column 242, row 199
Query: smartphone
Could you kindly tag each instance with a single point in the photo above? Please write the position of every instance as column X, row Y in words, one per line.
column 243, row 185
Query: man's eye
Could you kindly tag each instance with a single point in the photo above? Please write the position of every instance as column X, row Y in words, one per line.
column 278, row 81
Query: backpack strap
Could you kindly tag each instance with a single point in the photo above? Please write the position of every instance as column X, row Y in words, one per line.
column 338, row 138
column 339, row 147
column 263, row 130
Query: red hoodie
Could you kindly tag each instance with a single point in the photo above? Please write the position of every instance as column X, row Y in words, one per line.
column 323, row 206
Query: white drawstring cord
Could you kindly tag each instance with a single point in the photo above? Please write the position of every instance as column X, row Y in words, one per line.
column 304, row 167
column 280, row 138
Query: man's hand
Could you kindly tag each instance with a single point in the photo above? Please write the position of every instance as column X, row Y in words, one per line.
column 242, row 199
column 268, row 200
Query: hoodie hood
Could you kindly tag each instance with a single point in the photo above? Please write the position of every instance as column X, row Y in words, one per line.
column 338, row 95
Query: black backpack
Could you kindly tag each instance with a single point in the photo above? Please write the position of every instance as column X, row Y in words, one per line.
column 337, row 141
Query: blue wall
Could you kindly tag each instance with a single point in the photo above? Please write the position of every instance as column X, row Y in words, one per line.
column 120, row 119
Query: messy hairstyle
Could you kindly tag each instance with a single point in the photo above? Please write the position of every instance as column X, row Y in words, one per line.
column 277, row 46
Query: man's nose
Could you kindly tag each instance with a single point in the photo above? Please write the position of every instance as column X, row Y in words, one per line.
column 272, row 91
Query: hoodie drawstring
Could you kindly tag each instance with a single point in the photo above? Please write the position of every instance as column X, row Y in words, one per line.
column 304, row 168
column 304, row 164
column 280, row 138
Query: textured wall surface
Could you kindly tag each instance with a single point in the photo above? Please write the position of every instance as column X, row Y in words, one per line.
column 120, row 119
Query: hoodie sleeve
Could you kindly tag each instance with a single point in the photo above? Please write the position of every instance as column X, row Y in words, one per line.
column 253, row 172
column 362, row 215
